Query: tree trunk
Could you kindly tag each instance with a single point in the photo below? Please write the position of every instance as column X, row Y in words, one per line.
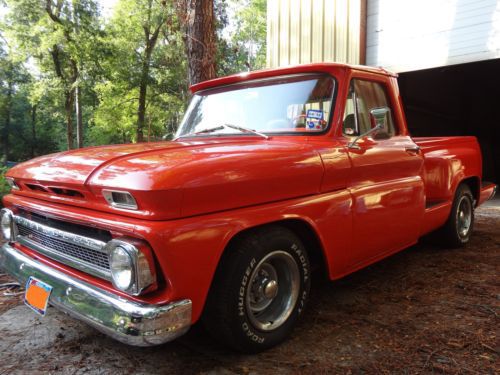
column 200, row 40
column 6, row 129
column 79, row 119
column 69, row 102
column 151, row 37
column 78, row 94
column 149, row 128
column 33, row 131
column 141, row 111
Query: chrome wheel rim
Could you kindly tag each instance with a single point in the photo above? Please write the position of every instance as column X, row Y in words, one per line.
column 464, row 216
column 273, row 290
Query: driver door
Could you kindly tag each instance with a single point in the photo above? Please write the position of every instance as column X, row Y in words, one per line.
column 386, row 186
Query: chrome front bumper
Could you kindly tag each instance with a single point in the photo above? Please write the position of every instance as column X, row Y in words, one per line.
column 126, row 321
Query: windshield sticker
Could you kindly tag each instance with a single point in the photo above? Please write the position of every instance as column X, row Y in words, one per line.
column 314, row 119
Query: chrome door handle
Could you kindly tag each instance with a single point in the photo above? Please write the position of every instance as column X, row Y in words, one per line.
column 413, row 150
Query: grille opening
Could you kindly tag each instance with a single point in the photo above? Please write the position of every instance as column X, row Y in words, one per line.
column 36, row 187
column 95, row 233
column 67, row 192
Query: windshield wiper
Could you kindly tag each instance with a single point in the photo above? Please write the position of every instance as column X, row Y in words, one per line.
column 246, row 130
column 207, row 130
column 221, row 127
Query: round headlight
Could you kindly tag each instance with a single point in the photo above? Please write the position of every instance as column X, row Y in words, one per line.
column 6, row 224
column 129, row 266
column 122, row 268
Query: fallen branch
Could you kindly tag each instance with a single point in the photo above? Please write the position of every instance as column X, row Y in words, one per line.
column 9, row 287
column 489, row 348
column 487, row 308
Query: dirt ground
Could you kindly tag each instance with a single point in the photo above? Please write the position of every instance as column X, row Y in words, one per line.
column 425, row 310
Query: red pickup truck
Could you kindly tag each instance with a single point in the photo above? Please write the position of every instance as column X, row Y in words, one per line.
column 272, row 176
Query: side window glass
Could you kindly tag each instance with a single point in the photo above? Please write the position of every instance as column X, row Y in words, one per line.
column 363, row 97
column 371, row 95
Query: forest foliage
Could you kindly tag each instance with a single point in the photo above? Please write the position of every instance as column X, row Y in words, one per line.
column 64, row 62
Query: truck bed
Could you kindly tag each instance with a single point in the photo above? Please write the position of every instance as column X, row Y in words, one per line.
column 448, row 160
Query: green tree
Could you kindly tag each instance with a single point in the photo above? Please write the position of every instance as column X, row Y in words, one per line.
column 145, row 86
column 250, row 34
column 63, row 37
column 244, row 47
column 14, row 102
column 4, row 187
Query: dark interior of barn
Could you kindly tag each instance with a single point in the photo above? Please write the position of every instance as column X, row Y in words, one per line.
column 457, row 100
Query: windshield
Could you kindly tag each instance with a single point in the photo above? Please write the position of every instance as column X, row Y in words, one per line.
column 292, row 104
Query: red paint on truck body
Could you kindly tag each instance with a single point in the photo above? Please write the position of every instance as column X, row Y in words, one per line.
column 196, row 194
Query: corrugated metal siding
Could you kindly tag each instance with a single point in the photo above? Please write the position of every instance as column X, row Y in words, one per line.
column 304, row 31
column 412, row 35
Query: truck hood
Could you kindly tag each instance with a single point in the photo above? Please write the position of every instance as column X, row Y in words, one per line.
column 73, row 168
column 176, row 179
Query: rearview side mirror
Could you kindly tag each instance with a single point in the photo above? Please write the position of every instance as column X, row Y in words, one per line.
column 380, row 116
column 379, row 126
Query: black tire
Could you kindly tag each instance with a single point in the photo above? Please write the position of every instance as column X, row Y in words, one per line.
column 234, row 312
column 458, row 228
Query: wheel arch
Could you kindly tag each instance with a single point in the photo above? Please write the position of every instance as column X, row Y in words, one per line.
column 312, row 243
column 300, row 227
column 474, row 185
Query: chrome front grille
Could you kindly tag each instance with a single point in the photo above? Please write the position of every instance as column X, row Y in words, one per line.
column 91, row 256
column 77, row 251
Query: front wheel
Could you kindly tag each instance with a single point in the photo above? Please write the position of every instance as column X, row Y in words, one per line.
column 259, row 291
column 458, row 228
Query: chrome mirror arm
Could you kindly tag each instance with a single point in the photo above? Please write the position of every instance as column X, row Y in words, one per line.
column 353, row 143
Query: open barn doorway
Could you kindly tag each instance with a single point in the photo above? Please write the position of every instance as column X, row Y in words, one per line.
column 457, row 100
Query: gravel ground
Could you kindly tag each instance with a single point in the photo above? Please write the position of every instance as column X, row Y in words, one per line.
column 424, row 310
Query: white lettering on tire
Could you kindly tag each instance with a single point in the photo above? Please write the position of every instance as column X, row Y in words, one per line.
column 244, row 281
column 254, row 337
column 303, row 263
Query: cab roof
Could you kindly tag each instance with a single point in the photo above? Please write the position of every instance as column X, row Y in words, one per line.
column 275, row 72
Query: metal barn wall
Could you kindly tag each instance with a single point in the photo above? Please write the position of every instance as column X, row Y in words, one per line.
column 405, row 35
column 304, row 31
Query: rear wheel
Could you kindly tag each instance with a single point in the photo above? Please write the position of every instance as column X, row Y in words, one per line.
column 457, row 230
column 260, row 290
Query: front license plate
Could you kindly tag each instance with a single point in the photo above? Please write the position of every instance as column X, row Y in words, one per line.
column 37, row 295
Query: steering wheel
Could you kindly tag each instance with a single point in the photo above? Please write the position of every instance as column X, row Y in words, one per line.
column 299, row 121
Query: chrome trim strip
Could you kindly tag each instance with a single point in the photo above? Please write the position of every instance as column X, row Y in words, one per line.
column 493, row 193
column 127, row 321
column 73, row 238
